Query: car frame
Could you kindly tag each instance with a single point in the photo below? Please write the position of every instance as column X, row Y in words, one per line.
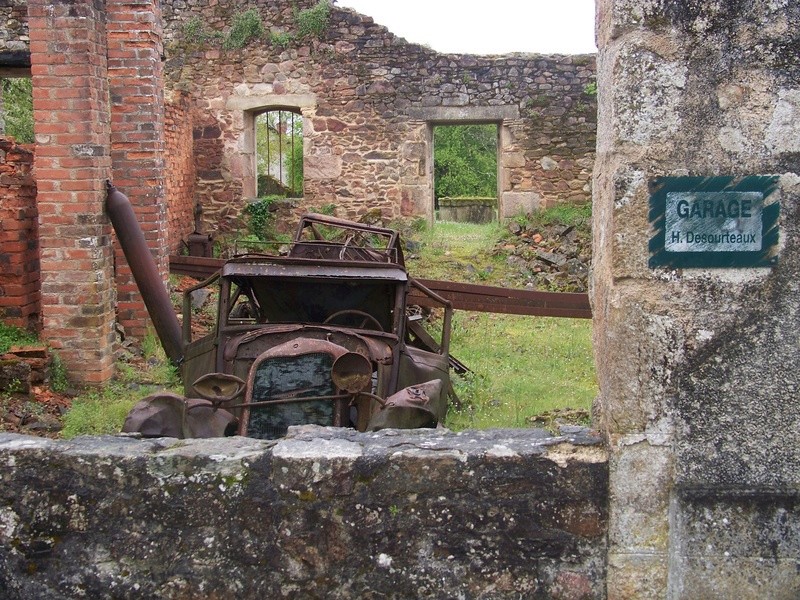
column 318, row 332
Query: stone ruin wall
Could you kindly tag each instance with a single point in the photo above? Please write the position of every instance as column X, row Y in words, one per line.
column 179, row 183
column 14, row 30
column 368, row 100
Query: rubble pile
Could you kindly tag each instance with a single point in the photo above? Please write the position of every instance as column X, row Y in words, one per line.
column 549, row 257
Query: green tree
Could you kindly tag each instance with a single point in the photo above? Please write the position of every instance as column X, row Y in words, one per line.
column 465, row 160
column 18, row 109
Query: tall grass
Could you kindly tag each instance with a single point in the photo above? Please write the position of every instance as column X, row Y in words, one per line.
column 522, row 366
column 99, row 411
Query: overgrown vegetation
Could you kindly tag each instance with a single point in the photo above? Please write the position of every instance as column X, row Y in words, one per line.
column 18, row 108
column 14, row 336
column 522, row 367
column 245, row 28
column 312, row 22
column 196, row 33
column 260, row 219
column 103, row 411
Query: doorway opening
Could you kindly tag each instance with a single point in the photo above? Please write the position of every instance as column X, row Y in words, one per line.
column 465, row 172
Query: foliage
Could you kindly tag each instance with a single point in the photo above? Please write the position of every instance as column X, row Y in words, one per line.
column 260, row 219
column 103, row 411
column 324, row 209
column 312, row 22
column 58, row 374
column 579, row 215
column 18, row 108
column 197, row 33
column 523, row 366
column 465, row 160
column 461, row 252
column 590, row 89
column 245, row 28
column 282, row 38
column 14, row 336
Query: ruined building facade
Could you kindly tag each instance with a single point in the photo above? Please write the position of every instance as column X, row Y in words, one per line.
column 153, row 96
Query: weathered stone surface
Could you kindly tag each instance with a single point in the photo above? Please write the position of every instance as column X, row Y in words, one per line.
column 364, row 96
column 695, row 366
column 324, row 513
column 737, row 542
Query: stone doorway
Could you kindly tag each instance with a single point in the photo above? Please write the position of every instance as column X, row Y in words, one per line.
column 465, row 174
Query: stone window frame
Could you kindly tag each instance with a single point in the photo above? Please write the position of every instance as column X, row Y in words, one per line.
column 251, row 107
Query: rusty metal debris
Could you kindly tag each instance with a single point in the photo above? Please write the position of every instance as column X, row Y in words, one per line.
column 318, row 335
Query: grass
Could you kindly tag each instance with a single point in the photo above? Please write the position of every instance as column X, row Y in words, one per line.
column 14, row 336
column 523, row 366
column 460, row 252
column 103, row 411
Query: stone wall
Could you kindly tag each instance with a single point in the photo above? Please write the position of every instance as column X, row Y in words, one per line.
column 369, row 101
column 323, row 513
column 14, row 40
column 696, row 365
column 19, row 239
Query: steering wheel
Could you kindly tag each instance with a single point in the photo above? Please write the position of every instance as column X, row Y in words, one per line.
column 367, row 318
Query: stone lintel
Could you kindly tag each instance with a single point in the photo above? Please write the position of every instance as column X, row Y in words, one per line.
column 272, row 101
column 464, row 114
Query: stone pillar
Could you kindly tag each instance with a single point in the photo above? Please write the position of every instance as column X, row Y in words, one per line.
column 697, row 366
column 137, row 138
column 70, row 104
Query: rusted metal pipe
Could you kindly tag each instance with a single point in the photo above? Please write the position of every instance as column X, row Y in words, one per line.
column 145, row 273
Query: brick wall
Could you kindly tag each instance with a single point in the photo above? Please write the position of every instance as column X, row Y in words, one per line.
column 137, row 139
column 19, row 237
column 179, row 158
column 70, row 100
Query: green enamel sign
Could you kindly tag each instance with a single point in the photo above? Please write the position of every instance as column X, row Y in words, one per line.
column 713, row 222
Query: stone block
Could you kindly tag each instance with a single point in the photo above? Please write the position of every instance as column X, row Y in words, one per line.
column 317, row 167
column 325, row 512
column 636, row 576
column 640, row 482
column 516, row 203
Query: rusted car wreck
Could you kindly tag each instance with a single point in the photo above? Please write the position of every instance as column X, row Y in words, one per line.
column 319, row 333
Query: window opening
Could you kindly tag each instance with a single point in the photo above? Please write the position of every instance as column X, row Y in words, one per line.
column 16, row 109
column 279, row 153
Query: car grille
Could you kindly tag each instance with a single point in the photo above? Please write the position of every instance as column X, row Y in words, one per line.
column 290, row 378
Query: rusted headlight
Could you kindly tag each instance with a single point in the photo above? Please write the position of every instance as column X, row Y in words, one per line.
column 352, row 372
column 219, row 387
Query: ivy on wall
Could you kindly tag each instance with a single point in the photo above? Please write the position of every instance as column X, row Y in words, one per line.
column 247, row 27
